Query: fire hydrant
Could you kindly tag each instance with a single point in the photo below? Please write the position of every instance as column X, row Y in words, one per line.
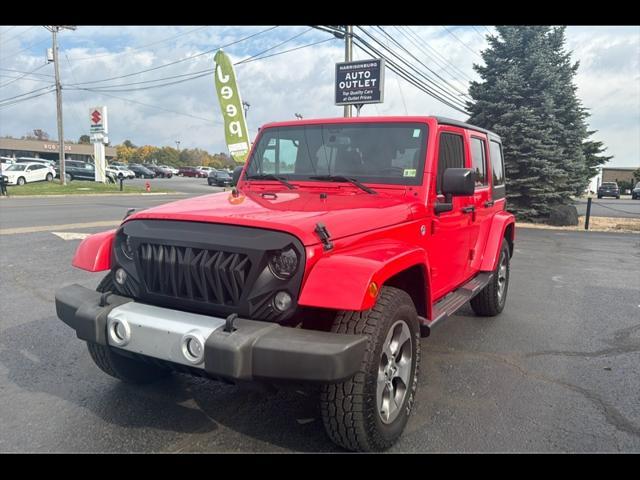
column 147, row 185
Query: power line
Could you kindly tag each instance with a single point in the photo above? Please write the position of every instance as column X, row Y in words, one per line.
column 180, row 60
column 478, row 32
column 290, row 50
column 91, row 57
column 436, row 53
column 464, row 44
column 444, row 66
column 402, row 72
column 24, row 75
column 421, row 63
column 14, row 102
column 209, row 120
column 21, row 33
column 24, row 94
column 22, row 71
column 25, row 78
column 275, row 46
column 444, row 95
column 25, row 49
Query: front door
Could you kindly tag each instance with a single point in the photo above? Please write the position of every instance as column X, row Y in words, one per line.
column 448, row 248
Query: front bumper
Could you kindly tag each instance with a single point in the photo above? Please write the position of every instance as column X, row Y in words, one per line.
column 255, row 350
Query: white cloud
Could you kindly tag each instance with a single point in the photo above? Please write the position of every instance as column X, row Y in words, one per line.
column 302, row 81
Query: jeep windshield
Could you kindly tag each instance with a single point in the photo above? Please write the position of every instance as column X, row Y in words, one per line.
column 379, row 153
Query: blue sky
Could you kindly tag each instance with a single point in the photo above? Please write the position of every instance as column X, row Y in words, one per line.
column 277, row 87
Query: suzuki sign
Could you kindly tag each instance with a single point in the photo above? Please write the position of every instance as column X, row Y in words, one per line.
column 98, row 120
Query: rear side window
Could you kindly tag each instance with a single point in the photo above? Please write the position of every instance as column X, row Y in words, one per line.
column 497, row 167
column 451, row 155
column 497, row 164
column 478, row 161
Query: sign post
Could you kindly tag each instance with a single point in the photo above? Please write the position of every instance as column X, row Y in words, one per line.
column 235, row 123
column 99, row 132
column 359, row 83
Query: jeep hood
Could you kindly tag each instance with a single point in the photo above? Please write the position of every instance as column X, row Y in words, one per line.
column 293, row 211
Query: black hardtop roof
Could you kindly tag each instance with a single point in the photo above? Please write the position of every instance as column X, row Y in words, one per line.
column 458, row 123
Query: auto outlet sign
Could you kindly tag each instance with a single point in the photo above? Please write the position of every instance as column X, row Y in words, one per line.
column 360, row 82
column 98, row 120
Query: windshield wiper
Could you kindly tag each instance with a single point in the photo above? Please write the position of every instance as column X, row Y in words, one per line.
column 271, row 176
column 340, row 178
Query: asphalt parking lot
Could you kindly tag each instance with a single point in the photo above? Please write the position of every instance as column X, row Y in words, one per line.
column 557, row 371
column 611, row 207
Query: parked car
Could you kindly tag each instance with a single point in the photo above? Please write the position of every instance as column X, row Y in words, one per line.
column 44, row 161
column 159, row 171
column 6, row 161
column 310, row 271
column 24, row 172
column 609, row 189
column 173, row 170
column 78, row 170
column 192, row 172
column 140, row 171
column 635, row 193
column 121, row 172
column 219, row 178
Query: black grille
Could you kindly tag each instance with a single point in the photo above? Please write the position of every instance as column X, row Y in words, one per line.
column 194, row 274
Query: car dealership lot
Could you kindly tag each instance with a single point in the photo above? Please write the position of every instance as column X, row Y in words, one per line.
column 557, row 371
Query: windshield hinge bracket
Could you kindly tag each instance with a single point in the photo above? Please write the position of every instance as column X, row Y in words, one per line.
column 324, row 235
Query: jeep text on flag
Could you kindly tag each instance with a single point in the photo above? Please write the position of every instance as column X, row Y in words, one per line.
column 235, row 125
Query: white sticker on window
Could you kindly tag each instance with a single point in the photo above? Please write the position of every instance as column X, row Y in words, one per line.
column 272, row 142
column 416, row 133
column 409, row 172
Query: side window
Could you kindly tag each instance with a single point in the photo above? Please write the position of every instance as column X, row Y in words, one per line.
column 497, row 163
column 478, row 161
column 451, row 155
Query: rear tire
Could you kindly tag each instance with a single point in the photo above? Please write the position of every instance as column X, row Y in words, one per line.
column 492, row 298
column 360, row 413
column 123, row 368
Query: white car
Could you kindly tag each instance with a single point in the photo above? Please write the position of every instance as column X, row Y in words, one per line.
column 21, row 173
column 171, row 169
column 120, row 171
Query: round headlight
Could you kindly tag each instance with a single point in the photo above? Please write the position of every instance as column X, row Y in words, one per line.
column 284, row 264
column 126, row 247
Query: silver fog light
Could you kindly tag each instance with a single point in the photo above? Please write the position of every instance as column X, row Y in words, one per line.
column 282, row 301
column 193, row 347
column 120, row 276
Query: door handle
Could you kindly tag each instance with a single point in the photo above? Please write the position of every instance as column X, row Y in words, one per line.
column 469, row 209
column 489, row 203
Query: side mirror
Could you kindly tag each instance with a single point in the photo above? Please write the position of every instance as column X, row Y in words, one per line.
column 456, row 182
column 236, row 174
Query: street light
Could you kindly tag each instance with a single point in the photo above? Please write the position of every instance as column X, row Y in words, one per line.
column 178, row 145
column 298, row 116
column 246, row 106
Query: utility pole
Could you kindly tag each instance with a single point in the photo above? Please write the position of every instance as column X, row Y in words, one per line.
column 178, row 145
column 54, row 29
column 246, row 108
column 348, row 54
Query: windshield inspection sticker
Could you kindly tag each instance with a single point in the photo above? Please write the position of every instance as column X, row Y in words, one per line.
column 416, row 133
column 409, row 172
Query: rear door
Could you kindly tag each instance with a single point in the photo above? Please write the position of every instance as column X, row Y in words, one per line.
column 480, row 217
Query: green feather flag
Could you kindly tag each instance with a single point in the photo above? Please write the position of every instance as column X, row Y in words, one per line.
column 235, row 125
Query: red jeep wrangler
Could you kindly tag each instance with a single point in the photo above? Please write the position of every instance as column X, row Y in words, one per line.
column 345, row 241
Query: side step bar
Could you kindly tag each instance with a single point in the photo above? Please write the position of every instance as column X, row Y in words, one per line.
column 450, row 304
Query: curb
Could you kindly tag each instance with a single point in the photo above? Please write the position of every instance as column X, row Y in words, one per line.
column 152, row 194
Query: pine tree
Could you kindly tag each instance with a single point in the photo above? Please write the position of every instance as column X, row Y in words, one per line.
column 528, row 97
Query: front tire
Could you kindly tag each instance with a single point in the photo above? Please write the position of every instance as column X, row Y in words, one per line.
column 49, row 177
column 493, row 297
column 369, row 411
column 123, row 368
column 21, row 181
